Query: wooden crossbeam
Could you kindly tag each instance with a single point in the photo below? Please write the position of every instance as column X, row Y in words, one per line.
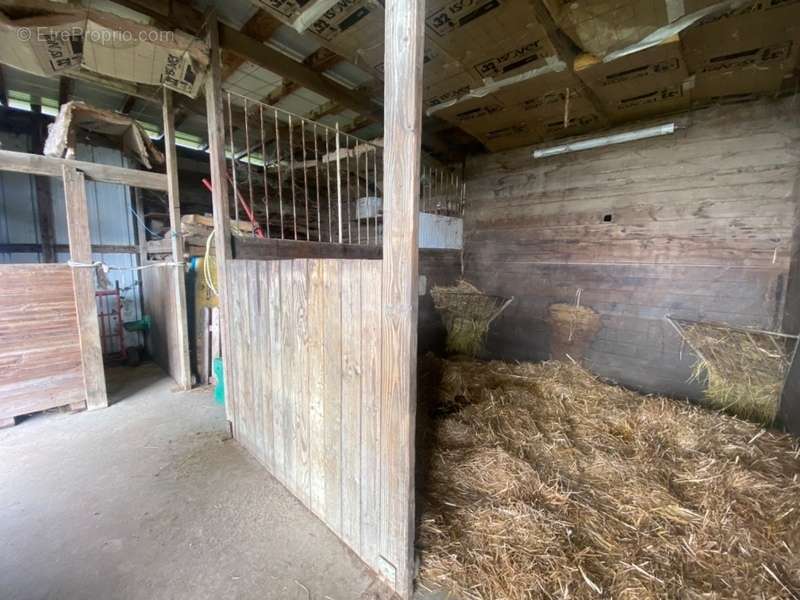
column 321, row 60
column 35, row 164
column 260, row 27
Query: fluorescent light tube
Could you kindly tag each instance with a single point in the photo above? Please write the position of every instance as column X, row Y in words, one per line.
column 608, row 140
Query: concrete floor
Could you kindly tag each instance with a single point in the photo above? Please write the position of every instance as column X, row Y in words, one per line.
column 149, row 499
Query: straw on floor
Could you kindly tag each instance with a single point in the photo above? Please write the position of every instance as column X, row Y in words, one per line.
column 545, row 482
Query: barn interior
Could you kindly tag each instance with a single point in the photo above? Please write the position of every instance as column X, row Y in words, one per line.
column 401, row 298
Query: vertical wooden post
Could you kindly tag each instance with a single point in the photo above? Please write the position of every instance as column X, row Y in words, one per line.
column 141, row 236
column 219, row 199
column 44, row 199
column 184, row 376
column 80, row 251
column 404, row 43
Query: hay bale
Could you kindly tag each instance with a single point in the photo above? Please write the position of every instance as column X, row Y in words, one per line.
column 743, row 370
column 467, row 313
column 547, row 483
column 572, row 329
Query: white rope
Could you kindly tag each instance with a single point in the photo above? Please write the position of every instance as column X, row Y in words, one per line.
column 106, row 268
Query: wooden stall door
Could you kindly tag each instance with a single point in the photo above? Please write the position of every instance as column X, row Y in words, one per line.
column 306, row 385
column 40, row 353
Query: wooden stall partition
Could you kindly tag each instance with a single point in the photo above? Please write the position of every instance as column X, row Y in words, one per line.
column 306, row 360
column 163, row 342
column 40, row 351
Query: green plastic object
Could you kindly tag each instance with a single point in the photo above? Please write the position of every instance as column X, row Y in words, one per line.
column 219, row 389
column 142, row 324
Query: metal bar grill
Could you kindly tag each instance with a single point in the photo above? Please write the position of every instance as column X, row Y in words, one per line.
column 303, row 180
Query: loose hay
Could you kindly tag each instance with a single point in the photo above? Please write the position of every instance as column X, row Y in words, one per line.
column 744, row 370
column 546, row 483
column 467, row 314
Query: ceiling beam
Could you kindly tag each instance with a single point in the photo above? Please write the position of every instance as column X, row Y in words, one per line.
column 304, row 76
column 260, row 27
column 567, row 52
column 320, row 61
column 180, row 15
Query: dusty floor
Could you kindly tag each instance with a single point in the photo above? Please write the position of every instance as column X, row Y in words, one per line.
column 149, row 499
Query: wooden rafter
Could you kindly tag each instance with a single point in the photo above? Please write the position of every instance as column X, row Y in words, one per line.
column 182, row 15
column 260, row 27
column 321, row 60
column 567, row 53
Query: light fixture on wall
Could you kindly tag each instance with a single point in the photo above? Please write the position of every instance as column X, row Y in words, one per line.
column 607, row 140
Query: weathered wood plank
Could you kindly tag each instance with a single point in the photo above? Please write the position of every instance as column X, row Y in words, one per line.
column 268, row 379
column 332, row 401
column 301, row 422
column 404, row 41
column 370, row 408
column 83, row 281
column 276, row 357
column 316, row 385
column 240, row 352
column 291, row 384
column 36, row 164
column 351, row 403
column 40, row 357
column 257, row 333
column 267, row 249
column 184, row 375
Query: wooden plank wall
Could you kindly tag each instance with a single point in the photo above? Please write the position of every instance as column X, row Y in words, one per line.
column 40, row 356
column 436, row 267
column 158, row 297
column 306, row 378
column 701, row 227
